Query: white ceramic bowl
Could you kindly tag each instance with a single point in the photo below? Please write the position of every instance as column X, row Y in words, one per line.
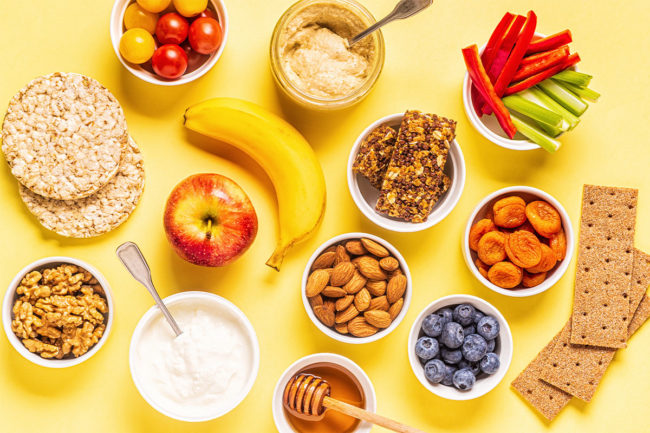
column 365, row 196
column 154, row 313
column 349, row 338
column 279, row 417
column 503, row 349
column 117, row 29
column 528, row 194
column 10, row 297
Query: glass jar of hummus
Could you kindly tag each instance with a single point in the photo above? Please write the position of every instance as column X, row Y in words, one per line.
column 311, row 60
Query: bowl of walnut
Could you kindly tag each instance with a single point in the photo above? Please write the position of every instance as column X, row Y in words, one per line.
column 57, row 312
column 356, row 288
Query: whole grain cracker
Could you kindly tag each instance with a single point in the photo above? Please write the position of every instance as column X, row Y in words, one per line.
column 63, row 135
column 101, row 212
column 640, row 280
column 547, row 399
column 641, row 314
column 605, row 261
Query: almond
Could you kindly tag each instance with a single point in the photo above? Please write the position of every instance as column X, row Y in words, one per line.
column 374, row 248
column 378, row 318
column 333, row 292
column 369, row 267
column 348, row 314
column 379, row 303
column 397, row 271
column 344, row 302
column 396, row 308
column 324, row 315
column 330, row 249
column 316, row 282
column 341, row 255
column 355, row 247
column 359, row 327
column 342, row 273
column 376, row 287
column 388, row 264
column 355, row 284
column 325, row 260
column 316, row 300
column 395, row 288
column 362, row 300
column 341, row 328
column 329, row 304
column 356, row 261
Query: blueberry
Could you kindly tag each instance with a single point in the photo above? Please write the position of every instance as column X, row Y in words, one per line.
column 464, row 314
column 477, row 316
column 471, row 329
column 435, row 370
column 426, row 348
column 474, row 348
column 446, row 314
column 451, row 356
column 452, row 335
column 490, row 363
column 464, row 379
column 432, row 325
column 488, row 328
column 474, row 367
column 449, row 375
column 491, row 344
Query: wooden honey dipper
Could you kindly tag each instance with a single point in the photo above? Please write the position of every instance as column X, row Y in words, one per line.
column 308, row 397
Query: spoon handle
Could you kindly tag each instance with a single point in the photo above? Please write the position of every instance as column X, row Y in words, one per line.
column 135, row 263
column 370, row 417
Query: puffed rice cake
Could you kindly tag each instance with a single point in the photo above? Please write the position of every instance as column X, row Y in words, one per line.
column 63, row 135
column 99, row 213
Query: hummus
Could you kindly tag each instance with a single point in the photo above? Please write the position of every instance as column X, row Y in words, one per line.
column 315, row 55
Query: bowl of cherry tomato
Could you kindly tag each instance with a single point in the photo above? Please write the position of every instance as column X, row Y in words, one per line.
column 169, row 42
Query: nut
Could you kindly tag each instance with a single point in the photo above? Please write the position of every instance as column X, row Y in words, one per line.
column 342, row 273
column 341, row 255
column 359, row 327
column 316, row 282
column 378, row 318
column 316, row 300
column 374, row 248
column 348, row 314
column 325, row 260
column 324, row 315
column 355, row 284
column 369, row 267
column 396, row 308
column 341, row 328
column 355, row 247
column 396, row 288
column 344, row 302
column 333, row 292
column 376, row 287
column 362, row 300
column 379, row 303
column 388, row 264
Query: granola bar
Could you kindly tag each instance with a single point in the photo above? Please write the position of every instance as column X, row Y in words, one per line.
column 374, row 155
column 415, row 180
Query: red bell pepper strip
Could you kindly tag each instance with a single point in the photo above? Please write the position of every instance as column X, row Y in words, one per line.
column 554, row 58
column 550, row 42
column 547, row 73
column 482, row 82
column 518, row 52
column 539, row 56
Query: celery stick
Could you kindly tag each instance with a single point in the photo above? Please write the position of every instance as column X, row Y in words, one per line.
column 563, row 96
column 535, row 135
column 574, row 77
column 537, row 96
column 532, row 110
column 550, row 130
column 583, row 92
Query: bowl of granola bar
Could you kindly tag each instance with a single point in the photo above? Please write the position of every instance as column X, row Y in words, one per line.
column 57, row 312
column 406, row 171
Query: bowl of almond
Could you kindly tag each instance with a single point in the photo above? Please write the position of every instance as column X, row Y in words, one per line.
column 356, row 288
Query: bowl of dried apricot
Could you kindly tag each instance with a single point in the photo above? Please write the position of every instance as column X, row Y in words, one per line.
column 356, row 288
column 518, row 241
column 57, row 312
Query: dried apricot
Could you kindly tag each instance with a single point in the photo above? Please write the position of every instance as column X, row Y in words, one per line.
column 544, row 218
column 510, row 212
column 528, row 227
column 557, row 242
column 524, row 249
column 491, row 248
column 482, row 268
column 478, row 230
column 549, row 259
column 505, row 275
column 532, row 280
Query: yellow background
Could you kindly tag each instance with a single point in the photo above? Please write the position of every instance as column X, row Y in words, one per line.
column 423, row 70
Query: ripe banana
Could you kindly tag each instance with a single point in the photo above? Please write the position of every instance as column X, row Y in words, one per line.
column 282, row 152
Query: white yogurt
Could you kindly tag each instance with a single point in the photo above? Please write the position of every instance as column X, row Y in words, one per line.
column 203, row 371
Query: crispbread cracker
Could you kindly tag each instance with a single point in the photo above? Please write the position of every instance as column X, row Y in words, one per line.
column 640, row 280
column 547, row 399
column 101, row 212
column 605, row 261
column 63, row 136
column 641, row 315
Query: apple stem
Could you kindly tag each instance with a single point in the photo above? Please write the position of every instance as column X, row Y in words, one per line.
column 208, row 233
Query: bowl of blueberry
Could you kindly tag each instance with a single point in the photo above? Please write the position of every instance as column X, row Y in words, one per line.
column 460, row 347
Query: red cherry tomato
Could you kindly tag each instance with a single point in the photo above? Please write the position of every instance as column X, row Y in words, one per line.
column 169, row 61
column 207, row 13
column 172, row 29
column 205, row 35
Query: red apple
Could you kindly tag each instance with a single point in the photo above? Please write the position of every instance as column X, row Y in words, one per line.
column 209, row 220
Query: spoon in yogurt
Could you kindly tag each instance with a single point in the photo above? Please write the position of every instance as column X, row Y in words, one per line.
column 404, row 9
column 135, row 263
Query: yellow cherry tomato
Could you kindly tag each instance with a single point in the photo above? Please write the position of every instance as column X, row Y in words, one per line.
column 154, row 6
column 189, row 8
column 135, row 17
column 137, row 46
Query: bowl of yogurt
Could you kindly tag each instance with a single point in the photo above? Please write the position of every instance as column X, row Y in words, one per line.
column 203, row 373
